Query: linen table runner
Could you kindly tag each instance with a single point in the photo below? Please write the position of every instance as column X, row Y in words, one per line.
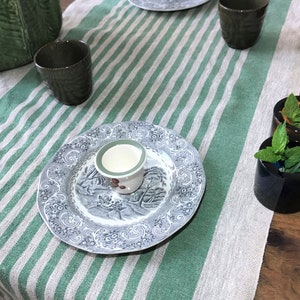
column 171, row 69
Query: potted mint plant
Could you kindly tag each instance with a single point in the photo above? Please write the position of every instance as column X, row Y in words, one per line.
column 287, row 109
column 277, row 177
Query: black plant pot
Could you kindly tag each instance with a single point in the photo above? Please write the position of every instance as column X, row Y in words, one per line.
column 278, row 191
column 292, row 131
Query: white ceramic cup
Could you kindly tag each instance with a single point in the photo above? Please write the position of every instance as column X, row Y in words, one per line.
column 122, row 163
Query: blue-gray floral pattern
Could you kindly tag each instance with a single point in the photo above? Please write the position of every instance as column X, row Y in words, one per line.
column 81, row 209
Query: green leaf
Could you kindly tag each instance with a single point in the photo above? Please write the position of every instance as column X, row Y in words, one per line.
column 296, row 117
column 290, row 106
column 293, row 157
column 294, row 169
column 280, row 139
column 267, row 154
column 292, row 151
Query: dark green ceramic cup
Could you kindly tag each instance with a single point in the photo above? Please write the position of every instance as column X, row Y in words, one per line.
column 65, row 66
column 241, row 21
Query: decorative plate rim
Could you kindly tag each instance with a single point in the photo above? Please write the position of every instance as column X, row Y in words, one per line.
column 161, row 6
column 53, row 193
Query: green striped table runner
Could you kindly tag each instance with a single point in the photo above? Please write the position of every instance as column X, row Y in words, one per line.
column 171, row 69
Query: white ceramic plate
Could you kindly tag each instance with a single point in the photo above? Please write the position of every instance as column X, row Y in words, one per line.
column 80, row 208
column 167, row 5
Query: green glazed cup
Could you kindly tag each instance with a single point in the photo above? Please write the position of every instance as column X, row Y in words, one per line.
column 65, row 66
column 241, row 21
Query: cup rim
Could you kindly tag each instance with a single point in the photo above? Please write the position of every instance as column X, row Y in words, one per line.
column 265, row 4
column 59, row 41
column 107, row 173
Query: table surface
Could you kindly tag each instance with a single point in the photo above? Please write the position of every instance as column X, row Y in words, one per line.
column 280, row 276
column 280, row 272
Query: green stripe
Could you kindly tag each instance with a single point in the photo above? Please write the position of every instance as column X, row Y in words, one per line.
column 120, row 29
column 109, row 79
column 22, row 134
column 137, row 274
column 17, row 95
column 98, row 76
column 30, row 179
column 112, row 278
column 4, row 294
column 203, row 127
column 17, row 120
column 192, row 85
column 68, row 274
column 92, row 19
column 17, row 251
column 17, row 220
column 179, row 83
column 165, row 61
column 48, row 270
column 30, row 264
column 222, row 159
column 88, row 280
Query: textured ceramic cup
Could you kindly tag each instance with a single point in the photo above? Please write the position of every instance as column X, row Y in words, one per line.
column 65, row 66
column 121, row 162
column 241, row 21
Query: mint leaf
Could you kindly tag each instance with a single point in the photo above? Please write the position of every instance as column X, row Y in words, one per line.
column 293, row 156
column 293, row 169
column 296, row 117
column 267, row 154
column 290, row 106
column 280, row 139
